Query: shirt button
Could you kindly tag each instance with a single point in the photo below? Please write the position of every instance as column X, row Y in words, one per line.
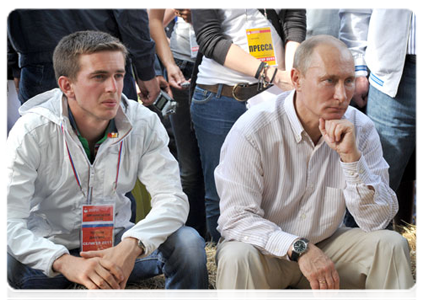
column 361, row 171
column 303, row 216
column 245, row 238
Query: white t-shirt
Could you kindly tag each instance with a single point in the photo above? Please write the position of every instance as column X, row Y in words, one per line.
column 235, row 24
column 180, row 44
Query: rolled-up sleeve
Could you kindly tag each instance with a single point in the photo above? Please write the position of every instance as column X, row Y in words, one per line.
column 295, row 25
column 208, row 31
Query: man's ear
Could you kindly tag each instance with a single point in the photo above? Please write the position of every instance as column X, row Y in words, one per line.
column 296, row 79
column 65, row 84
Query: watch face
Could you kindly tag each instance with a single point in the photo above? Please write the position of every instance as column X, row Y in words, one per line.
column 300, row 246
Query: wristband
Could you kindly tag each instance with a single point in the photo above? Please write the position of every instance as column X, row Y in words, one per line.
column 260, row 68
column 274, row 74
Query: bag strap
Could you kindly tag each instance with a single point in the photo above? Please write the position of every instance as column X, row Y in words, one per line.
column 276, row 21
column 194, row 74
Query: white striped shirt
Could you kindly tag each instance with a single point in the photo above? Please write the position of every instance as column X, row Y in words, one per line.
column 275, row 185
column 414, row 37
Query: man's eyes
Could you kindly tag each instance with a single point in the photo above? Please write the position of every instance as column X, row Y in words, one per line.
column 104, row 76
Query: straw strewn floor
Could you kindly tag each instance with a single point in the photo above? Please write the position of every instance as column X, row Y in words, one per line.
column 153, row 289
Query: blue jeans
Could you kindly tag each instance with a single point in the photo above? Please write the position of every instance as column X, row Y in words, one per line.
column 213, row 116
column 395, row 121
column 181, row 258
column 188, row 154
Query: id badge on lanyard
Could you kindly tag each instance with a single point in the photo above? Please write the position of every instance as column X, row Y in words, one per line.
column 260, row 45
column 97, row 226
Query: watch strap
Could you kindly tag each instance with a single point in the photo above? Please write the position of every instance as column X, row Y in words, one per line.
column 294, row 256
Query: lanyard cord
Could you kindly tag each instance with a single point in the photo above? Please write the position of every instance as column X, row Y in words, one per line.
column 75, row 173
column 118, row 167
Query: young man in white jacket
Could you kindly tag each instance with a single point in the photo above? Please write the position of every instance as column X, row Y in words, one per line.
column 83, row 147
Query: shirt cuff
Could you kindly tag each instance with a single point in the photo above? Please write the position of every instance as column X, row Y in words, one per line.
column 361, row 71
column 50, row 272
column 360, row 66
column 279, row 242
column 145, row 72
column 357, row 172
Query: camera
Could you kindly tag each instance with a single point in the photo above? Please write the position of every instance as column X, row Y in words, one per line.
column 165, row 104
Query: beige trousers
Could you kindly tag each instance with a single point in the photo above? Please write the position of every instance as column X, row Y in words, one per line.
column 375, row 260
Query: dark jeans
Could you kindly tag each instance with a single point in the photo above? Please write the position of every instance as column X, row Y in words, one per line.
column 188, row 154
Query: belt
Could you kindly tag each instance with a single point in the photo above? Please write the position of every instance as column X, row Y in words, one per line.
column 241, row 91
column 414, row 59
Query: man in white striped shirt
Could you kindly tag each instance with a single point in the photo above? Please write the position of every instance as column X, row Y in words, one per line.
column 289, row 168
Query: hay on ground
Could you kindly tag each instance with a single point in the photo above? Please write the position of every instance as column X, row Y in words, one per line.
column 153, row 289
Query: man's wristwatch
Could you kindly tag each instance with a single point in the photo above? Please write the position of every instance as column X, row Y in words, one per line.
column 141, row 246
column 299, row 247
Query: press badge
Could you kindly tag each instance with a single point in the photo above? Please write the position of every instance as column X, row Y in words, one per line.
column 97, row 226
column 260, row 45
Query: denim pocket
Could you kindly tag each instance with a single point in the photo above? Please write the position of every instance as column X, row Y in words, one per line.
column 201, row 96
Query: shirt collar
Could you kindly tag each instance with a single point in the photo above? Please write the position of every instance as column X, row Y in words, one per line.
column 122, row 124
column 111, row 128
column 296, row 125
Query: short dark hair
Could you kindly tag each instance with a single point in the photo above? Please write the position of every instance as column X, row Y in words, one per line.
column 303, row 54
column 67, row 52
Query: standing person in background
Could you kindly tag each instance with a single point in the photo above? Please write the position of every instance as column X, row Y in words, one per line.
column 225, row 37
column 383, row 41
column 34, row 34
column 322, row 21
column 178, row 58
